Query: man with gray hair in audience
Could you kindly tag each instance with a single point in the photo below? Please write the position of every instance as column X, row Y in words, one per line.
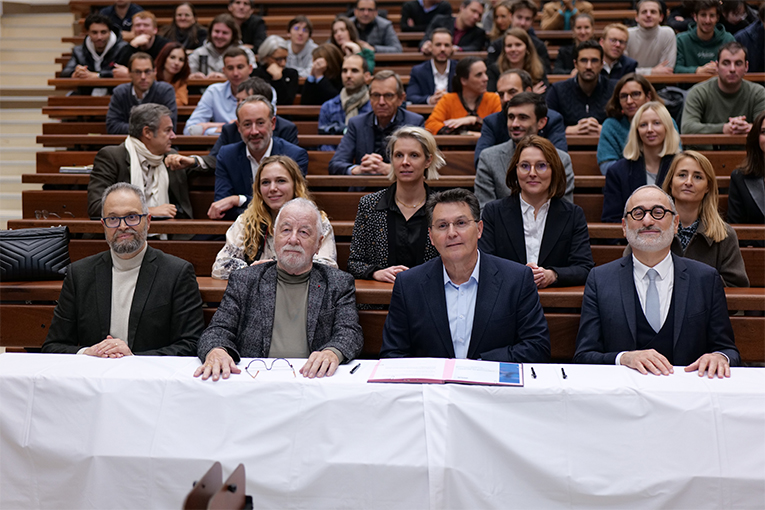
column 303, row 310
column 131, row 299
column 146, row 160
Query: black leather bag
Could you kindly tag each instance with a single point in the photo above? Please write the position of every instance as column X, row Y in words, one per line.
column 34, row 254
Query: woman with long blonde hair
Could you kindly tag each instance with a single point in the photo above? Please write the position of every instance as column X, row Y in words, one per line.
column 250, row 241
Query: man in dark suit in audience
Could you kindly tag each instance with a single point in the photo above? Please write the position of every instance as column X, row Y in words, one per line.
column 362, row 149
column 466, row 34
column 464, row 304
column 302, row 310
column 614, row 41
column 237, row 163
column 143, row 88
column 494, row 130
column 375, row 32
column 429, row 81
column 131, row 299
column 652, row 309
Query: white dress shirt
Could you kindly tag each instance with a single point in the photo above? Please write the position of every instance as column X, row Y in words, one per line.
column 533, row 229
column 254, row 164
column 441, row 79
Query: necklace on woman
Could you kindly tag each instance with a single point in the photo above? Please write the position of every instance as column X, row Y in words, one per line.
column 418, row 204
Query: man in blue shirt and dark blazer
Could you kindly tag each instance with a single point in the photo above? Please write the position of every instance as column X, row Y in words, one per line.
column 653, row 310
column 464, row 304
column 423, row 88
column 362, row 149
column 237, row 163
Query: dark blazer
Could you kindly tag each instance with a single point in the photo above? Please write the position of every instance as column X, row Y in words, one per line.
column 494, row 132
column 565, row 244
column 624, row 177
column 165, row 317
column 359, row 140
column 112, row 164
column 624, row 65
column 746, row 199
column 421, row 82
column 233, row 172
column 123, row 100
column 229, row 134
column 319, row 92
column 244, row 321
column 473, row 40
column 609, row 324
column 508, row 324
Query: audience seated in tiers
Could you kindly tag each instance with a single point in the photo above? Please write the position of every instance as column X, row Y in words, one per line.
column 97, row 56
column 753, row 39
column 534, row 225
column 141, row 89
column 737, row 15
column 614, row 41
column 375, row 32
column 467, row 35
column 145, row 159
column 250, row 240
column 417, row 14
column 218, row 104
column 523, row 13
column 653, row 309
column 463, row 111
column 727, row 103
column 251, row 27
column 583, row 29
column 525, row 114
column 390, row 234
column 207, row 60
column 652, row 45
column 131, row 299
column 184, row 29
column 559, row 15
column 464, row 303
column 429, row 81
column 301, row 46
column 237, row 164
column 582, row 99
column 494, row 130
column 697, row 48
column 173, row 68
column 651, row 146
column 346, row 37
column 497, row 19
column 145, row 38
column 303, row 310
column 630, row 93
column 272, row 61
column 518, row 53
column 746, row 195
column 702, row 234
column 324, row 81
column 353, row 99
column 362, row 149
column 121, row 15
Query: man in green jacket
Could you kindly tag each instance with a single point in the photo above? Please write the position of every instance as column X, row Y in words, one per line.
column 697, row 47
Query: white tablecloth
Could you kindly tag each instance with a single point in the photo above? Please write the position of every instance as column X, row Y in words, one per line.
column 80, row 432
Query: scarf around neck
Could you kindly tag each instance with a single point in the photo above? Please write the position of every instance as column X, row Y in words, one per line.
column 155, row 183
column 352, row 102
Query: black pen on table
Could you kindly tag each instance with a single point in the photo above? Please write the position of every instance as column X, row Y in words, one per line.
column 563, row 372
column 533, row 374
column 353, row 370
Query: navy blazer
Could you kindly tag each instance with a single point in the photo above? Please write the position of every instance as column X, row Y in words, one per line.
column 624, row 65
column 494, row 132
column 229, row 134
column 508, row 325
column 609, row 319
column 624, row 177
column 359, row 140
column 565, row 244
column 421, row 82
column 233, row 172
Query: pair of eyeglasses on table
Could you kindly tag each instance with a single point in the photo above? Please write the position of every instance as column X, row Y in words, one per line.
column 254, row 367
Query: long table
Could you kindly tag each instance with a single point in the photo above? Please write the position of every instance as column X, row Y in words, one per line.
column 80, row 432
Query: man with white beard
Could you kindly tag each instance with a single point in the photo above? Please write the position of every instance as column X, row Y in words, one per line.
column 653, row 309
column 131, row 299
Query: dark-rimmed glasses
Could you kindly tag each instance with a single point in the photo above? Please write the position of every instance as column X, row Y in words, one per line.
column 261, row 364
column 131, row 220
column 635, row 95
column 657, row 212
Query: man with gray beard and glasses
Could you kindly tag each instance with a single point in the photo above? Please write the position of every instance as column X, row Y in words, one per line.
column 132, row 299
column 653, row 310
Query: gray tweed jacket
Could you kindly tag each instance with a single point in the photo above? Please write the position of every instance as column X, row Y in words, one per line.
column 245, row 318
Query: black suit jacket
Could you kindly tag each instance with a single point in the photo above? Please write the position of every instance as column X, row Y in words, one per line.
column 165, row 317
column 421, row 82
column 746, row 199
column 112, row 164
column 508, row 324
column 229, row 134
column 565, row 244
column 624, row 177
column 609, row 320
column 473, row 40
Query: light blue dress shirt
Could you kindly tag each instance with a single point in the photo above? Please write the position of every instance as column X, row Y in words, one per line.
column 217, row 104
column 460, row 308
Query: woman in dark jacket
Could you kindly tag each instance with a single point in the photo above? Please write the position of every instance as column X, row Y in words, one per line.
column 272, row 62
